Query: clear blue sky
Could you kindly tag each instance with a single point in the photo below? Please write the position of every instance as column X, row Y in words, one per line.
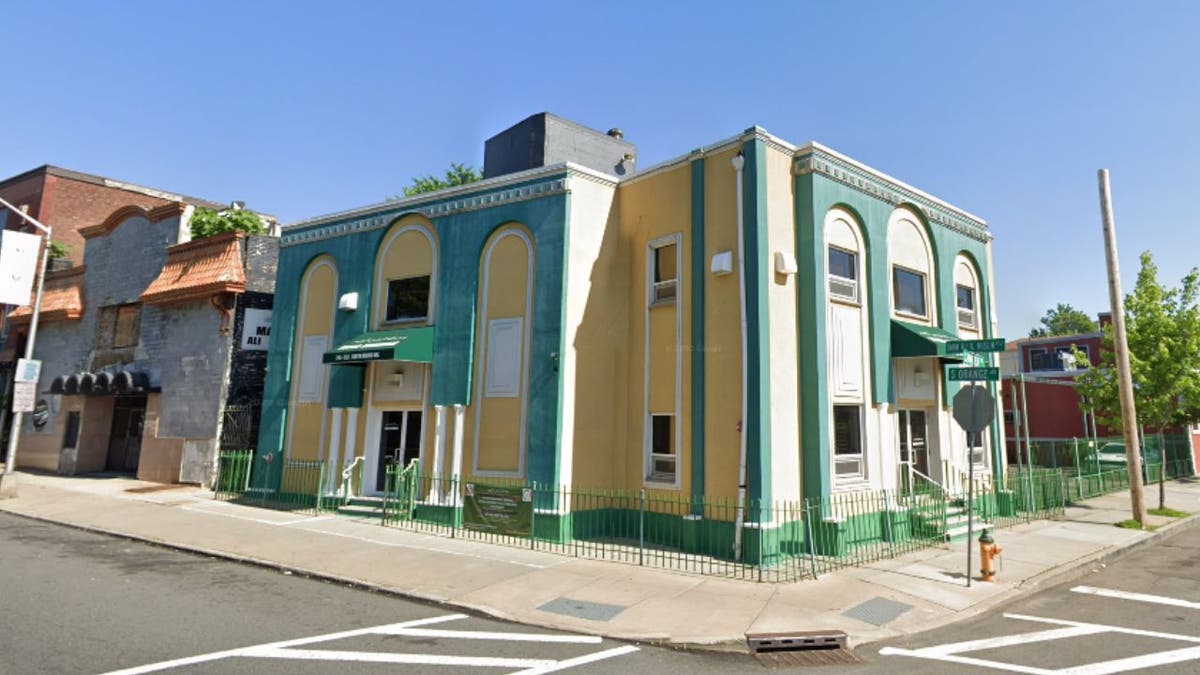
column 1004, row 109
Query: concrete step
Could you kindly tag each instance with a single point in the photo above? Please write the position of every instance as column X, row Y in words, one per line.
column 960, row 531
column 361, row 511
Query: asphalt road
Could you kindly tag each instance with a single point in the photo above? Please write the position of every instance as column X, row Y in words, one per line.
column 1140, row 614
column 78, row 602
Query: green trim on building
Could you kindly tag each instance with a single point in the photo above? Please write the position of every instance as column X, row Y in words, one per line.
column 758, row 320
column 699, row 273
column 816, row 478
column 871, row 202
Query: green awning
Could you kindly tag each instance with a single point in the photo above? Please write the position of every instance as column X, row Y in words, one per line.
column 405, row 344
column 912, row 339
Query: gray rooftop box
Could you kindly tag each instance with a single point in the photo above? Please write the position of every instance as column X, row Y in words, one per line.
column 544, row 139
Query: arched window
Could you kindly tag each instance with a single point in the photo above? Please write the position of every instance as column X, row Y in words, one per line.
column 406, row 275
column 912, row 274
column 310, row 376
column 967, row 298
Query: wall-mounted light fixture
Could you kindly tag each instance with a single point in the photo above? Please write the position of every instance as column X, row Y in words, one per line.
column 722, row 263
column 348, row 302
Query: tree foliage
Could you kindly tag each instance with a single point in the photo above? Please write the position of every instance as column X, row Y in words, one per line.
column 1162, row 326
column 457, row 174
column 206, row 222
column 1063, row 319
column 59, row 250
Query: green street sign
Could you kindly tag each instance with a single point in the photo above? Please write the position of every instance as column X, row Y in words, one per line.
column 985, row 374
column 977, row 346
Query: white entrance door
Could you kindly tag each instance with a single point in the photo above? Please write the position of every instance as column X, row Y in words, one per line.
column 913, row 435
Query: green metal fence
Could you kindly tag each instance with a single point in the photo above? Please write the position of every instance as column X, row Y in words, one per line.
column 782, row 541
column 302, row 484
column 1097, row 467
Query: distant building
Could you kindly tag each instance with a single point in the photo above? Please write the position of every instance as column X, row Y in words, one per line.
column 572, row 322
column 146, row 345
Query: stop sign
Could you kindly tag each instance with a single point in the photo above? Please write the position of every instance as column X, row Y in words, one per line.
column 974, row 408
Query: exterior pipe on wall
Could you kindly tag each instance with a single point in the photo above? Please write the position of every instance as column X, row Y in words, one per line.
column 439, row 451
column 457, row 448
column 739, row 163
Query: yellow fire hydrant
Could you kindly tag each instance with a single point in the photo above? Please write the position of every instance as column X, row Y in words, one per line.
column 988, row 552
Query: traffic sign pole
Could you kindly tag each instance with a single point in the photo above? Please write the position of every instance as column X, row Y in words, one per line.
column 970, row 491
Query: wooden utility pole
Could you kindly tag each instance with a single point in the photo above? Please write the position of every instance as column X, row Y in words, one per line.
column 1129, row 421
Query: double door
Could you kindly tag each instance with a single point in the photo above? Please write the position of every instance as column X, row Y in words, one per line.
column 399, row 442
column 125, row 436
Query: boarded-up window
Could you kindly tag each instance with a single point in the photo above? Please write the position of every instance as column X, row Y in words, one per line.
column 312, row 370
column 503, row 374
column 128, row 326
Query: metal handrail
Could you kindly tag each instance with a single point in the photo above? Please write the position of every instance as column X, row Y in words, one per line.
column 347, row 474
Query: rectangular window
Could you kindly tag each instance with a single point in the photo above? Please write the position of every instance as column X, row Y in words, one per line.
column 966, row 306
column 408, row 299
column 843, row 274
column 847, row 442
column 663, row 462
column 665, row 273
column 71, row 436
column 908, row 287
column 127, row 327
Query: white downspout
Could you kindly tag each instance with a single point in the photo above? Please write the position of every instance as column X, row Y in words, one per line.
column 739, row 163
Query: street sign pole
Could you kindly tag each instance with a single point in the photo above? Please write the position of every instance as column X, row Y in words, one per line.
column 970, row 491
column 8, row 480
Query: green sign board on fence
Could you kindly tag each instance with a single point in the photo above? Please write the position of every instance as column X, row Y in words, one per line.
column 498, row 509
column 986, row 374
column 977, row 346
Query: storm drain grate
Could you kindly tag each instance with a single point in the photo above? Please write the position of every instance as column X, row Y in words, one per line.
column 801, row 648
column 877, row 611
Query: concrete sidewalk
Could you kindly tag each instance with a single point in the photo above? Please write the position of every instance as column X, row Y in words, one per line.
column 926, row 589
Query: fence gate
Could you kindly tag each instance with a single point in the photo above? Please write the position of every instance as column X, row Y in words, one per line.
column 239, row 429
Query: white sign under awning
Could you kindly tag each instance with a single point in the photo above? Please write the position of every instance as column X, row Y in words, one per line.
column 18, row 266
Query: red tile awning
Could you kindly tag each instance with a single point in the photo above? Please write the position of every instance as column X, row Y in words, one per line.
column 62, row 298
column 199, row 269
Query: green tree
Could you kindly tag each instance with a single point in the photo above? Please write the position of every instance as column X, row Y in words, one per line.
column 1162, row 326
column 206, row 222
column 457, row 174
column 1063, row 319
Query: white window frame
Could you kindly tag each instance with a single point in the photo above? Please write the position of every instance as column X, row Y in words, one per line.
column 838, row 278
column 860, row 476
column 654, row 299
column 972, row 323
column 924, row 292
column 650, row 456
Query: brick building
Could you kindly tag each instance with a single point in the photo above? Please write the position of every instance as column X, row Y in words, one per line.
column 68, row 201
column 145, row 343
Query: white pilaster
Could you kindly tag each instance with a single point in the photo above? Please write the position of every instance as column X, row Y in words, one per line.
column 439, row 451
column 332, row 473
column 350, row 450
column 456, row 456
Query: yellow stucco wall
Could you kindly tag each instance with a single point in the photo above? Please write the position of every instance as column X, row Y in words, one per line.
column 505, row 281
column 723, row 342
column 599, row 276
column 306, row 419
column 652, row 208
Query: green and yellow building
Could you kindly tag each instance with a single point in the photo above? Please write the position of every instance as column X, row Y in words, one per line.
column 753, row 313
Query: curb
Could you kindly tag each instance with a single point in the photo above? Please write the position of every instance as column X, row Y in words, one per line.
column 728, row 645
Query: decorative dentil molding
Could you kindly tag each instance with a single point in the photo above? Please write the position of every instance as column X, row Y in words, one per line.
column 384, row 216
column 871, row 184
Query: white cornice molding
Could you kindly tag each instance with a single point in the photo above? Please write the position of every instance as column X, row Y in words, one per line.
column 816, row 158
